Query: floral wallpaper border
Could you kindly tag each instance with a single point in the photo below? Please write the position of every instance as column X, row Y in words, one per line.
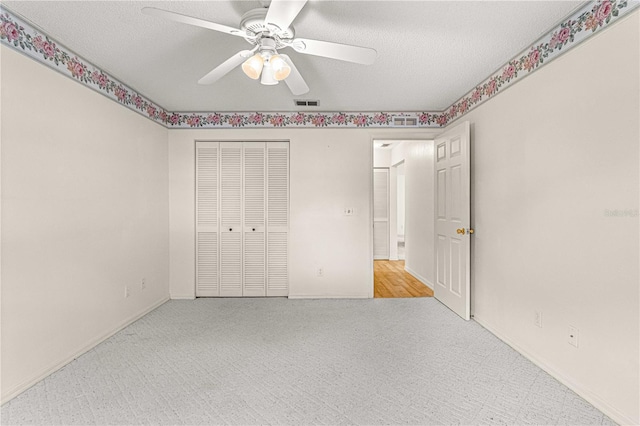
column 594, row 16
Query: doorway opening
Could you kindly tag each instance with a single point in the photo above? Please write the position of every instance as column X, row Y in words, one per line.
column 398, row 235
column 437, row 213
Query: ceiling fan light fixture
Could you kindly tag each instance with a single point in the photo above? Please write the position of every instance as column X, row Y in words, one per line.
column 252, row 67
column 281, row 69
column 268, row 78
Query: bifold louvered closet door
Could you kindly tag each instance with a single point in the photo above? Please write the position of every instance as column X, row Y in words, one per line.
column 242, row 219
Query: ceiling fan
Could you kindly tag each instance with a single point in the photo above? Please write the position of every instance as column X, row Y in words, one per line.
column 269, row 29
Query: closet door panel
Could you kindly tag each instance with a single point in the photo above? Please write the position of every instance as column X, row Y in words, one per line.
column 230, row 219
column 277, row 218
column 254, row 219
column 278, row 262
column 207, row 204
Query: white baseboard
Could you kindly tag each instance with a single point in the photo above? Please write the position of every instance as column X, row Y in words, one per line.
column 17, row 390
column 178, row 297
column 585, row 393
column 324, row 296
column 420, row 278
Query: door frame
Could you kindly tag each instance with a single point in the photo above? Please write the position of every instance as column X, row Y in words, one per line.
column 404, row 135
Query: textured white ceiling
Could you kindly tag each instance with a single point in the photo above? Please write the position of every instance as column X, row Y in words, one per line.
column 430, row 53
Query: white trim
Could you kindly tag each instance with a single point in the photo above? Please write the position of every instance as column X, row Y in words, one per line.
column 585, row 393
column 420, row 278
column 325, row 296
column 372, row 278
column 187, row 297
column 16, row 390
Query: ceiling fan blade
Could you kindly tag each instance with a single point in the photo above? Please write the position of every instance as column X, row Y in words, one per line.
column 343, row 52
column 295, row 82
column 225, row 67
column 281, row 13
column 184, row 19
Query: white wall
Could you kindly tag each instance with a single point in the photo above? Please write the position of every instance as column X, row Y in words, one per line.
column 419, row 210
column 418, row 181
column 401, row 199
column 84, row 213
column 418, row 203
column 329, row 170
column 550, row 156
column 381, row 157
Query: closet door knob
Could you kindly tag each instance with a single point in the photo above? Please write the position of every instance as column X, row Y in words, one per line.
column 230, row 229
column 253, row 229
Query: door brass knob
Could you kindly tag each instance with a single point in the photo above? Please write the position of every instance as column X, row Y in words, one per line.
column 471, row 231
column 460, row 231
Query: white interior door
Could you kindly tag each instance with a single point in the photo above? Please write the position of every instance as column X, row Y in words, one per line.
column 453, row 215
column 381, row 213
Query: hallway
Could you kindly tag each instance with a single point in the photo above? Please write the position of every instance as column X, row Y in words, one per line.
column 391, row 280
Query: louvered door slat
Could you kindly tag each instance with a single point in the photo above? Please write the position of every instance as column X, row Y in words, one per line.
column 278, row 182
column 207, row 186
column 254, row 264
column 254, row 165
column 207, row 264
column 278, row 261
column 277, row 219
column 231, row 264
column 231, row 184
column 207, row 174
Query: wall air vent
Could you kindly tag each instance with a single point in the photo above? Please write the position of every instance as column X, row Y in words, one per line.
column 307, row 102
column 400, row 121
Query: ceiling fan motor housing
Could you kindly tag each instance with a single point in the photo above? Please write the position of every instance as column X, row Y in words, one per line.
column 267, row 47
column 253, row 23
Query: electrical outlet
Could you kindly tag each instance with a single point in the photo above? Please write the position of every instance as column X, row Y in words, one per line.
column 126, row 291
column 538, row 319
column 574, row 334
column 320, row 272
column 143, row 284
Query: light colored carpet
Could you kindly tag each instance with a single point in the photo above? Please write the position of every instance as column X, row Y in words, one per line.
column 279, row 361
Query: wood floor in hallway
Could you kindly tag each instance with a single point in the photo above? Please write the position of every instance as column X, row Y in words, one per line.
column 391, row 280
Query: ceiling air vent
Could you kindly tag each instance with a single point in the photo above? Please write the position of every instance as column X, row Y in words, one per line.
column 307, row 102
column 405, row 121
